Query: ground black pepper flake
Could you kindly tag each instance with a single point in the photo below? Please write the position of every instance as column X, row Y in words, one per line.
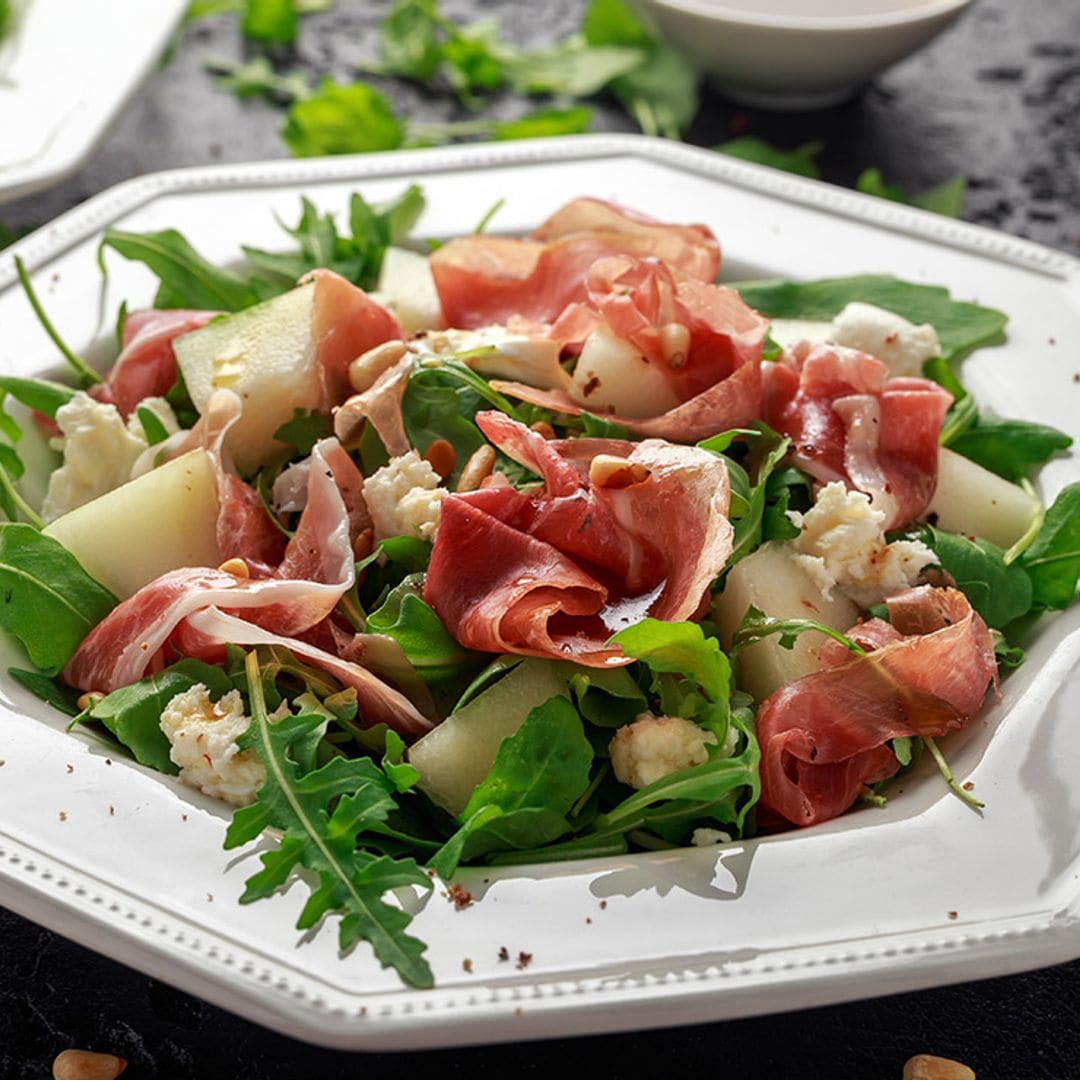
column 63, row 815
column 504, row 953
column 603, row 905
column 71, row 768
column 460, row 897
column 524, row 959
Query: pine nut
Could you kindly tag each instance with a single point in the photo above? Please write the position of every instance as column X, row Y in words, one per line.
column 364, row 370
column 675, row 344
column 89, row 699
column 364, row 544
column 607, row 471
column 476, row 469
column 442, row 457
column 86, row 1065
column 928, row 1067
column 236, row 567
column 542, row 427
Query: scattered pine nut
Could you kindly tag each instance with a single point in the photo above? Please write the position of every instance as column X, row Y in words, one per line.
column 607, row 471
column 86, row 1065
column 236, row 567
column 476, row 469
column 88, row 700
column 364, row 544
column 366, row 369
column 542, row 427
column 928, row 1067
column 442, row 457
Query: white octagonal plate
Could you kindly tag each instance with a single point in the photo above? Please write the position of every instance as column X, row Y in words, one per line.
column 922, row 892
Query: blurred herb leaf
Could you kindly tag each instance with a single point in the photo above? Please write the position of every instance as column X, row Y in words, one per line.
column 801, row 161
column 946, row 198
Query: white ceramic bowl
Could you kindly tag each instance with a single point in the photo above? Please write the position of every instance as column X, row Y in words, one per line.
column 797, row 54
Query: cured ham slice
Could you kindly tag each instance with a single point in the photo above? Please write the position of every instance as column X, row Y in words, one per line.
column 699, row 343
column 824, row 736
column 380, row 406
column 849, row 421
column 378, row 702
column 127, row 643
column 146, row 366
column 345, row 324
column 621, row 531
column 489, row 279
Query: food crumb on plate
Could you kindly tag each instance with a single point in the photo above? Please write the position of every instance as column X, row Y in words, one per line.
column 466, row 966
column 459, row 896
column 954, row 914
column 504, row 953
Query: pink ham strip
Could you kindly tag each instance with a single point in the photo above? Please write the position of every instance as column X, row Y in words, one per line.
column 734, row 402
column 345, row 324
column 146, row 366
column 849, row 421
column 378, row 702
column 486, row 279
column 379, row 406
column 119, row 650
column 555, row 574
column 823, row 736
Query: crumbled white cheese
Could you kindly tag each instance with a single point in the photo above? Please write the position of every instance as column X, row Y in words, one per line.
column 653, row 747
column 842, row 545
column 902, row 345
column 100, row 450
column 202, row 737
column 709, row 837
column 404, row 497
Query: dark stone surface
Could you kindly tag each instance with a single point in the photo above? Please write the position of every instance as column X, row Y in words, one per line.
column 996, row 98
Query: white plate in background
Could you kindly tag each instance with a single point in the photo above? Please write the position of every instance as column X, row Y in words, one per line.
column 67, row 68
column 922, row 892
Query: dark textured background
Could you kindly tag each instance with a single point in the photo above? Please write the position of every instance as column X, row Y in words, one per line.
column 997, row 99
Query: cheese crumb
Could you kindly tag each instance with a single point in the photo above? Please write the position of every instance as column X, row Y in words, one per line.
column 901, row 345
column 202, row 737
column 842, row 545
column 653, row 747
column 404, row 497
column 100, row 450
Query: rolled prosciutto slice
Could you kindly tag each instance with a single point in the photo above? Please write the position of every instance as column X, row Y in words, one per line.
column 619, row 532
column 146, row 366
column 849, row 421
column 489, row 279
column 693, row 347
column 318, row 567
column 824, row 736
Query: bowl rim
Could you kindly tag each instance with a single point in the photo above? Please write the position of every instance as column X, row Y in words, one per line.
column 743, row 16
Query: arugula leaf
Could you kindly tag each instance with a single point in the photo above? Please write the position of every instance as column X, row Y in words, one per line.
column 408, row 41
column 87, row 375
column 41, row 394
column 256, row 77
column 606, row 697
column 427, row 644
column 756, row 625
column 572, row 67
column 947, row 198
column 800, row 161
column 1010, row 448
column 542, row 123
column 322, row 812
column 679, row 648
column 342, row 119
column 1052, row 561
column 997, row 591
column 271, row 22
column 961, row 327
column 600, row 427
column 661, row 92
column 187, row 279
column 750, row 501
column 538, row 774
column 133, row 713
column 48, row 601
column 53, row 693
column 154, row 430
column 304, row 430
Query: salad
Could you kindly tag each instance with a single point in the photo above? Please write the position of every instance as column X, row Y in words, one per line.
column 525, row 549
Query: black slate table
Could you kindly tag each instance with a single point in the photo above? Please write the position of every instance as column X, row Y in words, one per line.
column 997, row 99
